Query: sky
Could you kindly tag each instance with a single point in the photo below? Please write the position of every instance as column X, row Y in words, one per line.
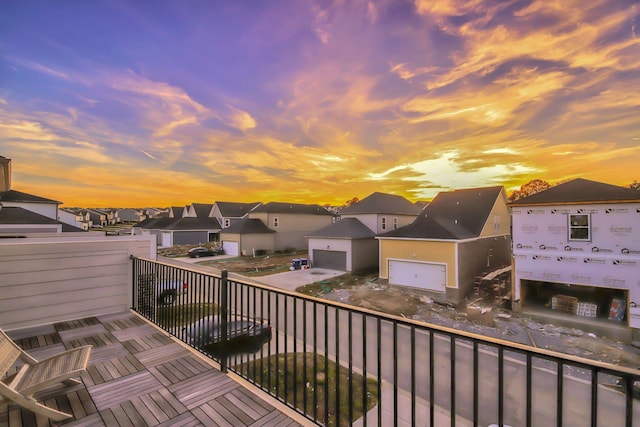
column 135, row 103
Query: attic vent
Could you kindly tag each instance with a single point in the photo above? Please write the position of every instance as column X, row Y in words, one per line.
column 455, row 220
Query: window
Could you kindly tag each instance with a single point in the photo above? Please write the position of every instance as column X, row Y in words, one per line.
column 579, row 227
column 496, row 223
column 395, row 223
column 276, row 222
column 384, row 223
column 227, row 222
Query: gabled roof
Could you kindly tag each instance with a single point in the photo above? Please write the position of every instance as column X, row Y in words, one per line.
column 19, row 196
column 382, row 203
column 202, row 209
column 176, row 211
column 234, row 209
column 580, row 191
column 248, row 226
column 191, row 223
column 156, row 223
column 292, row 208
column 452, row 215
column 347, row 228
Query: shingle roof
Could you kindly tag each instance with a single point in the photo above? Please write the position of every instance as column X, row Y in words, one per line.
column 248, row 226
column 580, row 191
column 234, row 209
column 17, row 215
column 202, row 209
column 156, row 223
column 382, row 203
column 190, row 223
column 292, row 208
column 453, row 215
column 347, row 228
column 19, row 196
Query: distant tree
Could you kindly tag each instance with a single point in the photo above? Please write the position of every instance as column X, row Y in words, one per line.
column 635, row 185
column 353, row 201
column 532, row 187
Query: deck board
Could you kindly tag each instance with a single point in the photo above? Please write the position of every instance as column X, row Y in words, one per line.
column 138, row 376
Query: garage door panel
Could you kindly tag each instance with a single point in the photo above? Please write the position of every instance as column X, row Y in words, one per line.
column 334, row 260
column 230, row 248
column 428, row 276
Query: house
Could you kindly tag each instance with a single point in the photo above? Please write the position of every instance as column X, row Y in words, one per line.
column 349, row 244
column 291, row 222
column 130, row 215
column 382, row 212
column 22, row 213
column 460, row 235
column 576, row 255
column 193, row 227
column 75, row 217
column 229, row 213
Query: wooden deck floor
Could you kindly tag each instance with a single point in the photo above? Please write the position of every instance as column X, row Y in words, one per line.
column 139, row 376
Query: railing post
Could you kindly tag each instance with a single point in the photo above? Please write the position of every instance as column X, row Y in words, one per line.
column 224, row 321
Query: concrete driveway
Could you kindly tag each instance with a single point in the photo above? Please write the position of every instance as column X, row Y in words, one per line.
column 291, row 280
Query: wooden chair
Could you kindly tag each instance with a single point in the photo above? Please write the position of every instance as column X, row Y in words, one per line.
column 35, row 375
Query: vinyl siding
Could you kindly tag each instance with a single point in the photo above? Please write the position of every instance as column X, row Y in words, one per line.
column 55, row 279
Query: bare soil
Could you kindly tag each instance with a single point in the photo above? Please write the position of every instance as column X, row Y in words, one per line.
column 482, row 317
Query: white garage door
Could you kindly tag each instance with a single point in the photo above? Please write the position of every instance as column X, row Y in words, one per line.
column 230, row 248
column 166, row 239
column 431, row 277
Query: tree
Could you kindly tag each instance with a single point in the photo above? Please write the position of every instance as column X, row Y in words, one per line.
column 532, row 187
column 353, row 201
column 635, row 185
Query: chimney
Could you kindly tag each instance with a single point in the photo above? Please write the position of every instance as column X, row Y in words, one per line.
column 5, row 174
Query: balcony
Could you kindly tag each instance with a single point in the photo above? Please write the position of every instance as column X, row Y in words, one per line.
column 325, row 363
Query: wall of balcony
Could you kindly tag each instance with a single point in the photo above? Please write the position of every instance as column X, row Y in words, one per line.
column 57, row 278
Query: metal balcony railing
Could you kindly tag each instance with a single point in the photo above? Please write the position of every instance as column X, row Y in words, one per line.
column 341, row 365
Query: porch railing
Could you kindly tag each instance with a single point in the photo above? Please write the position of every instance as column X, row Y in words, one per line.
column 341, row 365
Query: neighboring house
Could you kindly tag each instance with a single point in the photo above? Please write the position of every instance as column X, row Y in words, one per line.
column 230, row 213
column 349, row 244
column 248, row 237
column 98, row 218
column 190, row 225
column 460, row 235
column 130, row 215
column 382, row 212
column 73, row 217
column 18, row 221
column 346, row 245
column 22, row 213
column 576, row 254
column 292, row 222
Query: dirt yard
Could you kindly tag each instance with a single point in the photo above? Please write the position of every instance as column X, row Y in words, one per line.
column 480, row 317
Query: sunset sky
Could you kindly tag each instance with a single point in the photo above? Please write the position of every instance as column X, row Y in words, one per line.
column 158, row 103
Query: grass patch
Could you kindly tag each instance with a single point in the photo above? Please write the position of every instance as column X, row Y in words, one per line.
column 301, row 385
column 182, row 315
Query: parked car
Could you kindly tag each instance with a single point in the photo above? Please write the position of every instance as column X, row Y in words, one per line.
column 169, row 289
column 164, row 290
column 200, row 251
column 243, row 336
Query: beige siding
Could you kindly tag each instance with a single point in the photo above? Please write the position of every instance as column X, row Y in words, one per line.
column 500, row 213
column 250, row 242
column 55, row 279
column 293, row 229
column 419, row 250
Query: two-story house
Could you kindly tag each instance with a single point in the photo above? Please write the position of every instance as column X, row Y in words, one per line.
column 229, row 213
column 349, row 244
column 459, row 236
column 576, row 255
column 284, row 226
column 74, row 217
